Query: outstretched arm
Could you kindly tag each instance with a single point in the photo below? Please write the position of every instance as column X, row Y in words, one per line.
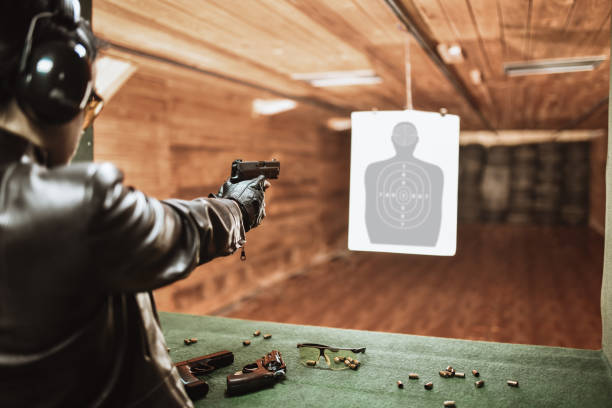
column 140, row 243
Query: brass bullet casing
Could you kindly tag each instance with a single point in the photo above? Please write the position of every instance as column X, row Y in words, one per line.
column 459, row 375
column 449, row 404
column 476, row 373
column 193, row 340
column 413, row 376
column 256, row 333
column 187, row 341
column 311, row 363
column 347, row 363
column 445, row 374
column 512, row 383
column 428, row 386
column 267, row 336
column 353, row 366
column 449, row 369
column 337, row 360
column 349, row 359
column 400, row 384
column 356, row 362
column 479, row 383
column 246, row 342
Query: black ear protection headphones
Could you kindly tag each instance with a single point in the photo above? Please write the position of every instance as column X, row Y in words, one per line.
column 54, row 80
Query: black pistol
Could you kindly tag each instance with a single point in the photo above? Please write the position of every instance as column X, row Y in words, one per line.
column 247, row 170
column 263, row 373
column 188, row 370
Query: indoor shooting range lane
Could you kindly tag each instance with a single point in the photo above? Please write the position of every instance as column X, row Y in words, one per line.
column 547, row 376
column 507, row 283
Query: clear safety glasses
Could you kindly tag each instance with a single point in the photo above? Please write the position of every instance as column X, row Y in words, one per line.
column 92, row 109
column 336, row 358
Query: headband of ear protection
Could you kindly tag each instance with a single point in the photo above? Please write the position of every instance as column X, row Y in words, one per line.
column 54, row 80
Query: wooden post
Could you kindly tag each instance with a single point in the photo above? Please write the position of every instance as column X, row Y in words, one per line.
column 606, row 285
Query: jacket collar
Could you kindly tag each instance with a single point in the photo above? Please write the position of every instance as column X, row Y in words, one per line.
column 15, row 148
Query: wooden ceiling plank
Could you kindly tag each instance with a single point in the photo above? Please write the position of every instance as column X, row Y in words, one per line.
column 432, row 13
column 487, row 20
column 598, row 43
column 584, row 25
column 549, row 19
column 514, row 18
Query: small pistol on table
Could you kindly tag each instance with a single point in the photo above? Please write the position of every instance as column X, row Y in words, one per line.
column 263, row 373
column 187, row 369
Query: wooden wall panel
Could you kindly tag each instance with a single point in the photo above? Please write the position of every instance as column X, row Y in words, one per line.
column 175, row 133
column 597, row 187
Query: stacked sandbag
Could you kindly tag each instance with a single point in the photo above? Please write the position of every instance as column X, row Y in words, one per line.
column 547, row 188
column 495, row 186
column 524, row 171
column 575, row 196
column 471, row 162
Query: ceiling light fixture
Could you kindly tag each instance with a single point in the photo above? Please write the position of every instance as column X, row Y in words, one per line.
column 339, row 78
column 450, row 53
column 554, row 66
column 272, row 106
column 339, row 124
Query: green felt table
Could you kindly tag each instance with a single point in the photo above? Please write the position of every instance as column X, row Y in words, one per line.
column 548, row 376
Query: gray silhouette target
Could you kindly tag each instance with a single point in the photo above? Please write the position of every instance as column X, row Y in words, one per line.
column 404, row 195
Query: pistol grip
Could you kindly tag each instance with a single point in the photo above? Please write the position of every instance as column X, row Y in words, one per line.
column 195, row 387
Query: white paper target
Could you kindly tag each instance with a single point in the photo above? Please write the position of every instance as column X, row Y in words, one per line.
column 404, row 169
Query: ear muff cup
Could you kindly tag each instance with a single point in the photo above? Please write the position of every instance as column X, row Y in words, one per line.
column 55, row 82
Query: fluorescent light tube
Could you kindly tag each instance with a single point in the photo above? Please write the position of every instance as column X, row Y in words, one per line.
column 272, row 106
column 339, row 78
column 556, row 66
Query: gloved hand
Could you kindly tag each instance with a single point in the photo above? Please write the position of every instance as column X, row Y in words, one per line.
column 249, row 194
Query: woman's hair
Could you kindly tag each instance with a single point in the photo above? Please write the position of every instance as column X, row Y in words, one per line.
column 15, row 19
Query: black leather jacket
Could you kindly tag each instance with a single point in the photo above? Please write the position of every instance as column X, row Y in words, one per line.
column 78, row 252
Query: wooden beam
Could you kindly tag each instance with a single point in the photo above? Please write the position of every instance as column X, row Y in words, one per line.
column 429, row 48
column 516, row 137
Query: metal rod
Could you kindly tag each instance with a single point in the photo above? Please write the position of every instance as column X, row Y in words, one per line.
column 420, row 37
column 343, row 110
column 408, row 72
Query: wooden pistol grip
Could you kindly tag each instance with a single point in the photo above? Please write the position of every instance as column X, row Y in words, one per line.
column 195, row 387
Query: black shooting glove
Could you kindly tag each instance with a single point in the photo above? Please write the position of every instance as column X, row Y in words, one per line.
column 249, row 194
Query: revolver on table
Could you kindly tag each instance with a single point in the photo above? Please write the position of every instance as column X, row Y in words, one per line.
column 263, row 373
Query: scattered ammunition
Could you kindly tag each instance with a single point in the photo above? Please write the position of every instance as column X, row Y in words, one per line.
column 513, row 383
column 353, row 366
column 338, row 360
column 459, row 375
column 476, row 373
column 356, row 362
column 267, row 336
column 413, row 376
column 187, row 341
column 479, row 383
column 311, row 363
column 449, row 404
column 449, row 369
column 445, row 374
column 256, row 333
column 193, row 340
column 347, row 363
column 246, row 342
column 349, row 359
column 400, row 384
column 428, row 386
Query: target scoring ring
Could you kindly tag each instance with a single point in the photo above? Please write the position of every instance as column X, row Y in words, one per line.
column 403, row 199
